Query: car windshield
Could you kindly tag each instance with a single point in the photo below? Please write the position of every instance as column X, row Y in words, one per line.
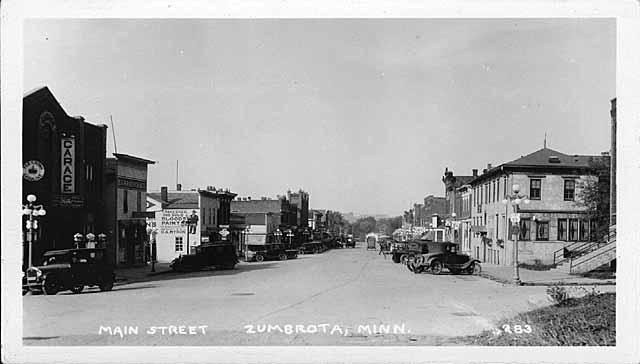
column 57, row 259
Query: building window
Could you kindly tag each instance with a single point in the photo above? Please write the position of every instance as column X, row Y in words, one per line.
column 534, row 188
column 525, row 229
column 593, row 229
column 179, row 246
column 573, row 230
column 138, row 201
column 569, row 190
column 562, row 229
column 584, row 230
column 497, row 189
column 542, row 230
column 125, row 201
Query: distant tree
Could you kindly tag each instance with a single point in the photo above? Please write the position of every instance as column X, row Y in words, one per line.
column 389, row 225
column 593, row 194
column 364, row 226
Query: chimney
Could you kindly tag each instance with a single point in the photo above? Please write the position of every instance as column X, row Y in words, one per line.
column 179, row 187
column 475, row 172
column 488, row 166
column 164, row 194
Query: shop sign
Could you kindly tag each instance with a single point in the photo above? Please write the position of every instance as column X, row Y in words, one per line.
column 132, row 184
column 33, row 171
column 73, row 201
column 173, row 221
column 67, row 161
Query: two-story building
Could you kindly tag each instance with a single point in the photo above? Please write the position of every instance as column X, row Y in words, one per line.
column 172, row 209
column 552, row 219
column 125, row 197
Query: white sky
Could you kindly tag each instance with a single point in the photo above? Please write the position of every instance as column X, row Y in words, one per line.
column 363, row 114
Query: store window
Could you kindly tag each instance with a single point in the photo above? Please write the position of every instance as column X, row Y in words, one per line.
column 562, row 229
column 584, row 230
column 179, row 245
column 573, row 230
column 542, row 230
column 525, row 229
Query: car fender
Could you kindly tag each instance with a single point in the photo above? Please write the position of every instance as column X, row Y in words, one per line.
column 472, row 261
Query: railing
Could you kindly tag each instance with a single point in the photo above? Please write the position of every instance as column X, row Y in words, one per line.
column 611, row 246
column 559, row 255
column 579, row 248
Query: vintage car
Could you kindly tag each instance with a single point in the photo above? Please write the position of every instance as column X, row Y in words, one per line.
column 442, row 255
column 220, row 254
column 350, row 242
column 312, row 247
column 259, row 253
column 399, row 251
column 70, row 269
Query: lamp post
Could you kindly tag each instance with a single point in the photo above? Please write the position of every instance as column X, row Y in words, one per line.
column 290, row 236
column 102, row 240
column 515, row 200
column 77, row 239
column 33, row 211
column 152, row 231
column 277, row 234
column 91, row 240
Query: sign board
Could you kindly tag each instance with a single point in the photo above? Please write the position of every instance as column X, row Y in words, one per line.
column 224, row 233
column 68, row 201
column 204, row 239
column 132, row 184
column 514, row 229
column 67, row 163
column 33, row 171
column 172, row 221
column 515, row 218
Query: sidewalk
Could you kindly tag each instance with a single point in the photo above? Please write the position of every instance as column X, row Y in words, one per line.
column 137, row 274
column 504, row 274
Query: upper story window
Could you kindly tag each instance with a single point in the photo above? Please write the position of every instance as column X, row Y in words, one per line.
column 125, row 201
column 535, row 187
column 569, row 190
column 138, row 201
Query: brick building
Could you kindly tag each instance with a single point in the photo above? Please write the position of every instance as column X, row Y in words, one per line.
column 64, row 164
column 434, row 206
column 299, row 202
column 553, row 218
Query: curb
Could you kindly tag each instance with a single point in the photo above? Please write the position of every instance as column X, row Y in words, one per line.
column 549, row 283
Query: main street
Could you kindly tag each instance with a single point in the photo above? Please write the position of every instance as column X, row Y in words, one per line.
column 341, row 294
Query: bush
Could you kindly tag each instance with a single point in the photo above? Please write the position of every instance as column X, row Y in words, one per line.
column 558, row 294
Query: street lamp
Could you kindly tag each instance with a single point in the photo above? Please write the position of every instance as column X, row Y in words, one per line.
column 277, row 234
column 33, row 211
column 515, row 200
column 91, row 240
column 290, row 235
column 152, row 231
column 77, row 239
column 102, row 239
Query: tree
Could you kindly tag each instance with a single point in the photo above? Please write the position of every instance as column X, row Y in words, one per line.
column 390, row 224
column 593, row 194
column 364, row 226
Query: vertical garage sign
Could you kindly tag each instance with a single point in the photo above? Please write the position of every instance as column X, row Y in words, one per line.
column 68, row 156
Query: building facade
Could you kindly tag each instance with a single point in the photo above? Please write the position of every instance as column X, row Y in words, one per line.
column 125, row 197
column 554, row 217
column 299, row 202
column 63, row 159
column 172, row 209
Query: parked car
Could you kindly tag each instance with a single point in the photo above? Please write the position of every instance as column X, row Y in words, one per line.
column 440, row 256
column 312, row 247
column 399, row 251
column 219, row 254
column 350, row 242
column 70, row 269
column 259, row 253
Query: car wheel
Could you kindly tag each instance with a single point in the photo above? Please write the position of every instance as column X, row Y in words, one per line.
column 77, row 289
column 259, row 258
column 419, row 269
column 50, row 286
column 419, row 260
column 436, row 267
column 410, row 267
column 282, row 256
column 106, row 286
column 404, row 258
column 474, row 269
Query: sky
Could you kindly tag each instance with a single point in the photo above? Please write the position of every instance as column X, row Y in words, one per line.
column 363, row 114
